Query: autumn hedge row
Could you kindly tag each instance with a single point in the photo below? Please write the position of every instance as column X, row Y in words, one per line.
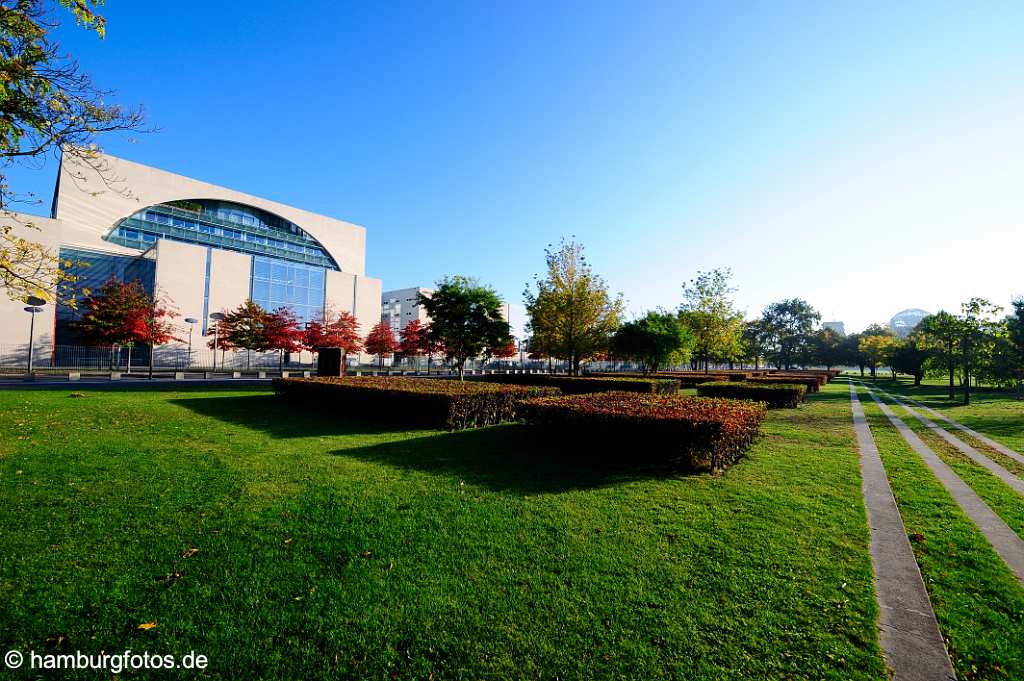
column 691, row 432
column 775, row 395
column 812, row 382
column 433, row 403
column 577, row 385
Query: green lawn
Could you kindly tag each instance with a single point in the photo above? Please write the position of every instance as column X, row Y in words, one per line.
column 329, row 548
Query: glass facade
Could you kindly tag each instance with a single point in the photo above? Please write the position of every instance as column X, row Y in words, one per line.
column 277, row 283
column 93, row 270
column 221, row 224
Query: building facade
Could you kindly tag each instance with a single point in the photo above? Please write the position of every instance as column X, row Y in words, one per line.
column 199, row 248
column 399, row 307
column 838, row 327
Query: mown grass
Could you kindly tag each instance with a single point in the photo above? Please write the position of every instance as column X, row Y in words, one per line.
column 328, row 548
column 977, row 600
column 997, row 413
column 1001, row 498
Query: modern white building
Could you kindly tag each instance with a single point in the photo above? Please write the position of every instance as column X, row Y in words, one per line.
column 200, row 248
column 399, row 307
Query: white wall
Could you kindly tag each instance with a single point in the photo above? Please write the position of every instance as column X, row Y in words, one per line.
column 14, row 321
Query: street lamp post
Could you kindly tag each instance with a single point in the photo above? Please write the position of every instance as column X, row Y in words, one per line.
column 35, row 304
column 191, row 321
column 216, row 317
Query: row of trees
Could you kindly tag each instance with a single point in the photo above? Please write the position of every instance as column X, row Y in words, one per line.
column 573, row 317
column 466, row 322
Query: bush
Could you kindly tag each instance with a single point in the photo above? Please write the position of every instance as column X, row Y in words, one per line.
column 577, row 385
column 694, row 432
column 812, row 382
column 434, row 403
column 775, row 395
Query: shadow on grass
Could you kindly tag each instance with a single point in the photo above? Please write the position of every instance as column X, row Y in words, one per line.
column 269, row 414
column 513, row 458
column 510, row 458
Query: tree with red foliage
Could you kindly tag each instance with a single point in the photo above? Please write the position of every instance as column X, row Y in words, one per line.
column 505, row 351
column 281, row 332
column 381, row 341
column 123, row 313
column 342, row 333
column 413, row 340
column 431, row 346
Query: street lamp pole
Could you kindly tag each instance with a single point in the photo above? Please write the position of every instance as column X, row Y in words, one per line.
column 216, row 317
column 191, row 325
column 35, row 304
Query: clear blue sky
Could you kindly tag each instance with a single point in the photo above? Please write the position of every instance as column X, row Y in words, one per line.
column 864, row 156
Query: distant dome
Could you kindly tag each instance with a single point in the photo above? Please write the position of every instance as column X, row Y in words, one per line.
column 904, row 322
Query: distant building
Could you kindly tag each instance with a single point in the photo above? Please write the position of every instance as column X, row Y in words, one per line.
column 399, row 307
column 838, row 327
column 903, row 323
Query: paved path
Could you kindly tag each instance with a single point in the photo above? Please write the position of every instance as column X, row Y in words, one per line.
column 907, row 629
column 1006, row 476
column 999, row 447
column 1005, row 541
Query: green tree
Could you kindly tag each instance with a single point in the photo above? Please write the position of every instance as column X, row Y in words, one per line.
column 47, row 105
column 911, row 355
column 945, row 331
column 755, row 340
column 465, row 319
column 654, row 340
column 877, row 350
column 1012, row 356
column 714, row 323
column 826, row 348
column 571, row 314
column 979, row 332
column 789, row 324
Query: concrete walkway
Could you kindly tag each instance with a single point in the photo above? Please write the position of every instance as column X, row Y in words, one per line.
column 907, row 629
column 999, row 447
column 1006, row 476
column 1005, row 541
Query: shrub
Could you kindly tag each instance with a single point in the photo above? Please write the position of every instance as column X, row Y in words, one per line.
column 576, row 385
column 811, row 382
column 694, row 432
column 434, row 403
column 775, row 395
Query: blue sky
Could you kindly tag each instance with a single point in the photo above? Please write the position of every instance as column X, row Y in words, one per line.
column 863, row 156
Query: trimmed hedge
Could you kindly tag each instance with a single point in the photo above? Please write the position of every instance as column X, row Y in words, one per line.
column 577, row 385
column 812, row 382
column 775, row 395
column 434, row 403
column 694, row 432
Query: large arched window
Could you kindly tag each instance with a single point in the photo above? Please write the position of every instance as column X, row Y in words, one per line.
column 221, row 224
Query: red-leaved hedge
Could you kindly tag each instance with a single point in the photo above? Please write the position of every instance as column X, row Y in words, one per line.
column 812, row 382
column 577, row 385
column 775, row 395
column 694, row 432
column 434, row 403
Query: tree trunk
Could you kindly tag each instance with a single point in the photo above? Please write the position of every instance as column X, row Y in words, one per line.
column 129, row 369
column 152, row 358
column 917, row 379
column 462, row 369
column 967, row 386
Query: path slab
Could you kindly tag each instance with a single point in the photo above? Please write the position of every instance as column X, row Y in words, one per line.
column 907, row 629
column 1005, row 541
column 1006, row 476
column 998, row 446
